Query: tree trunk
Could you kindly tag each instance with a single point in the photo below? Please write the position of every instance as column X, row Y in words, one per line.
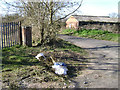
column 42, row 29
column 42, row 35
column 51, row 13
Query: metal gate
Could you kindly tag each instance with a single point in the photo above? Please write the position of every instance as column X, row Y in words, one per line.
column 10, row 34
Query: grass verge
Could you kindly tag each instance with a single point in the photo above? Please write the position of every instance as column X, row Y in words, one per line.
column 22, row 70
column 95, row 34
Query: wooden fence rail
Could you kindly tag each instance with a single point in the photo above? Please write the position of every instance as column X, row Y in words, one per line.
column 10, row 34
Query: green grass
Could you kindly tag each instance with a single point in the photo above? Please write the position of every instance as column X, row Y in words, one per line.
column 64, row 45
column 67, row 31
column 95, row 34
column 19, row 62
column 19, row 56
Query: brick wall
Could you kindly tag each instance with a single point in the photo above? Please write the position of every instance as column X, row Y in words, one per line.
column 72, row 23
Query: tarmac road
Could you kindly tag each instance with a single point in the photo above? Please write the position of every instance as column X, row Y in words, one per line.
column 102, row 71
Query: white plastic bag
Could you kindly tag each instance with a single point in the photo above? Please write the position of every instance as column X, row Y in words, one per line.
column 60, row 69
column 39, row 55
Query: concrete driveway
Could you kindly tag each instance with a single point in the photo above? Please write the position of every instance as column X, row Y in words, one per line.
column 102, row 70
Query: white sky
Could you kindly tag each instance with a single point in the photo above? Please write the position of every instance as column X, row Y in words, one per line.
column 89, row 7
column 99, row 7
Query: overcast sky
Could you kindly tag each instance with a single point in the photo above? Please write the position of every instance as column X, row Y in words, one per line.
column 99, row 7
column 89, row 7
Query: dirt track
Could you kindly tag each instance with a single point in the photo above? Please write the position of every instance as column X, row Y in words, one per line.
column 102, row 71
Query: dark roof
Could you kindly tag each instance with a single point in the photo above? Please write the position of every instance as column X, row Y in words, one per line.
column 95, row 18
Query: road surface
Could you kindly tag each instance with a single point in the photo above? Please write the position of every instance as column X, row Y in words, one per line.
column 102, row 71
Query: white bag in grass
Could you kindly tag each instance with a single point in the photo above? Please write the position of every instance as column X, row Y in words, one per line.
column 40, row 55
column 60, row 68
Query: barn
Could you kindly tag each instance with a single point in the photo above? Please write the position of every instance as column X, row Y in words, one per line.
column 90, row 22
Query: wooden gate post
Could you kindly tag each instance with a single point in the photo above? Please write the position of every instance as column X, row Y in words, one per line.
column 20, row 33
column 27, row 36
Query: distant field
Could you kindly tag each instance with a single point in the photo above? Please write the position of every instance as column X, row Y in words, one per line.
column 95, row 34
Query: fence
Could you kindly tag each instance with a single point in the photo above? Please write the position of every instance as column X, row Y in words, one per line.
column 10, row 34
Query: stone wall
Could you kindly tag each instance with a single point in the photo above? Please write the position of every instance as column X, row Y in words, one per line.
column 107, row 26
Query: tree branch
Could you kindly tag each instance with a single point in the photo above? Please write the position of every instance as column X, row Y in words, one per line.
column 71, row 12
column 12, row 5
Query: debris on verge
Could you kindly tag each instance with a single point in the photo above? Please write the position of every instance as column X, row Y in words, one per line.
column 60, row 67
column 40, row 55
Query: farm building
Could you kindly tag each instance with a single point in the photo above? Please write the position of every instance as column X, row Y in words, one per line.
column 91, row 22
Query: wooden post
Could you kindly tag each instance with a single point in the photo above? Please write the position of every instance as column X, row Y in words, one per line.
column 27, row 36
column 20, row 33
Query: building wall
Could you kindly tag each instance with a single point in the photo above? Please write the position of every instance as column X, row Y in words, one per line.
column 72, row 23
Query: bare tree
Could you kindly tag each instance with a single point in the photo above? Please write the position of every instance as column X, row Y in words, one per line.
column 113, row 15
column 45, row 15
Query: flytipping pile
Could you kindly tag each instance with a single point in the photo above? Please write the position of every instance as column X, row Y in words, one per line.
column 59, row 67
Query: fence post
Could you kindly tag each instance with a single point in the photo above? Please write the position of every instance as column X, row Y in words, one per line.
column 20, row 33
column 27, row 36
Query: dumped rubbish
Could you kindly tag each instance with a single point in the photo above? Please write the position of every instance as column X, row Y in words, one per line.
column 40, row 55
column 59, row 67
column 85, row 82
